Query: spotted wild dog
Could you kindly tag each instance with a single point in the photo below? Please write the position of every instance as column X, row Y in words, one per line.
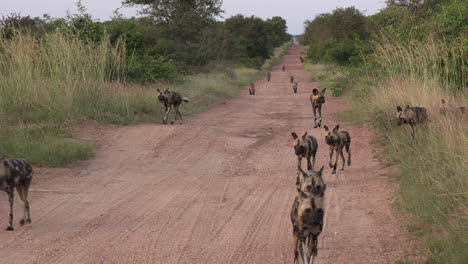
column 456, row 111
column 311, row 181
column 252, row 89
column 291, row 78
column 295, row 86
column 336, row 141
column 413, row 116
column 284, row 68
column 268, row 76
column 305, row 147
column 171, row 99
column 307, row 220
column 16, row 173
column 317, row 99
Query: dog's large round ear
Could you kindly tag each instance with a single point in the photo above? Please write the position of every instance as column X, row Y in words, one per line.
column 315, row 91
column 407, row 107
column 157, row 89
column 335, row 130
column 399, row 109
column 320, row 171
column 166, row 90
column 305, row 134
column 442, row 101
column 323, row 91
column 294, row 135
column 325, row 127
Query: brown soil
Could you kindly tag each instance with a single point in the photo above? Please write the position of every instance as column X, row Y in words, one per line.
column 217, row 189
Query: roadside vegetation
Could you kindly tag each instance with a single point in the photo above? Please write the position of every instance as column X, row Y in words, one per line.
column 410, row 53
column 55, row 72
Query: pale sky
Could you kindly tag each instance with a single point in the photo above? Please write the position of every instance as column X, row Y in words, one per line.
column 294, row 11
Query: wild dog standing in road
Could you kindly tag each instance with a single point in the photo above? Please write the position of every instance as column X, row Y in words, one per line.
column 284, row 68
column 311, row 182
column 302, row 59
column 412, row 116
column 291, row 78
column 268, row 76
column 317, row 99
column 336, row 141
column 16, row 173
column 171, row 99
column 307, row 221
column 252, row 89
column 457, row 111
column 295, row 86
column 305, row 147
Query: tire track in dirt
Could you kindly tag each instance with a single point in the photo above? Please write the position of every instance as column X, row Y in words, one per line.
column 217, row 189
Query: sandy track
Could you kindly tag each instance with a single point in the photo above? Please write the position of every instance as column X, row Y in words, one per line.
column 217, row 189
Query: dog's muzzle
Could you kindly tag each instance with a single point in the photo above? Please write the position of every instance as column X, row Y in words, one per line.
column 329, row 140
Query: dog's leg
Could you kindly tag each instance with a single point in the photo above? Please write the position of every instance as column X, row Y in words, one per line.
column 176, row 109
column 349, row 153
column 313, row 162
column 330, row 161
column 11, row 192
column 336, row 161
column 296, row 249
column 168, row 109
column 299, row 162
column 320, row 115
column 412, row 132
column 315, row 116
column 342, row 158
column 309, row 164
column 23, row 194
column 304, row 252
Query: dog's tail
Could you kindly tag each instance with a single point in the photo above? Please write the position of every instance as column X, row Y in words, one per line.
column 185, row 99
column 347, row 146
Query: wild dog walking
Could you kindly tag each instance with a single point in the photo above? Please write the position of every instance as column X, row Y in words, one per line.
column 307, row 220
column 336, row 141
column 291, row 78
column 412, row 116
column 171, row 99
column 295, row 86
column 252, row 89
column 457, row 111
column 16, row 173
column 305, row 147
column 317, row 99
column 268, row 76
column 284, row 68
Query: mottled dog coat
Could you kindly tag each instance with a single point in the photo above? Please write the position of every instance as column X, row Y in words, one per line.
column 317, row 99
column 16, row 173
column 411, row 116
column 171, row 99
column 305, row 147
column 252, row 89
column 336, row 141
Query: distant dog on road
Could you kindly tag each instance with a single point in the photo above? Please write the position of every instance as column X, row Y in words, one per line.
column 305, row 147
column 252, row 89
column 268, row 76
column 413, row 116
column 284, row 68
column 16, row 173
column 295, row 86
column 336, row 141
column 291, row 78
column 317, row 99
column 171, row 99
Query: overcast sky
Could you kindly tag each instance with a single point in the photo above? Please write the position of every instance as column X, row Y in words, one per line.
column 294, row 11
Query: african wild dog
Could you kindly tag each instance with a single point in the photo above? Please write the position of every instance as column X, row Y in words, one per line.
column 16, row 173
column 295, row 86
column 311, row 181
column 317, row 99
column 412, row 116
column 305, row 147
column 284, row 68
column 302, row 59
column 171, row 99
column 457, row 111
column 268, row 76
column 307, row 216
column 336, row 141
column 291, row 78
column 252, row 89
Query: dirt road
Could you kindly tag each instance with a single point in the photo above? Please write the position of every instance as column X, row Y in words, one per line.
column 217, row 189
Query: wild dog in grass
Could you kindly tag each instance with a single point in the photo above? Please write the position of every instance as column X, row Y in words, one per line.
column 305, row 147
column 449, row 110
column 291, row 78
column 268, row 76
column 413, row 116
column 336, row 141
column 16, row 173
column 171, row 99
column 307, row 220
column 252, row 89
column 295, row 86
column 317, row 99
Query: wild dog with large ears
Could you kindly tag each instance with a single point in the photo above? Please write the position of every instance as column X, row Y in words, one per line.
column 317, row 99
column 305, row 147
column 336, row 141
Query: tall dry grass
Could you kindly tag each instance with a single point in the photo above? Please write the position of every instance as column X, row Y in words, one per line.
column 434, row 170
